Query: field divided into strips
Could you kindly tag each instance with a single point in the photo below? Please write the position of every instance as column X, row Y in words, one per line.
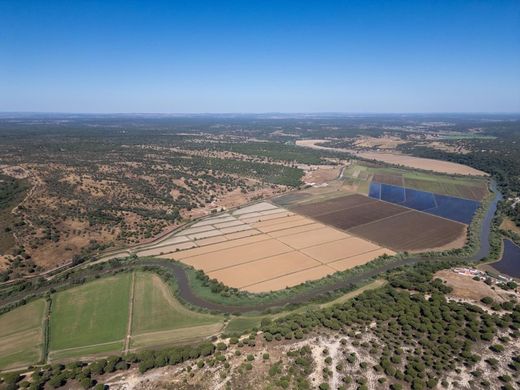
column 93, row 319
column 159, row 318
column 93, row 314
column 390, row 225
column 456, row 209
column 21, row 335
column 280, row 254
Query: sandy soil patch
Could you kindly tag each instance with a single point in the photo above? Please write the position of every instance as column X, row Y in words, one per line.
column 238, row 255
column 422, row 163
column 466, row 288
column 354, row 261
column 340, row 249
column 385, row 142
column 400, row 159
column 507, row 224
column 278, row 221
column 264, row 269
column 321, row 175
column 314, row 237
column 291, row 279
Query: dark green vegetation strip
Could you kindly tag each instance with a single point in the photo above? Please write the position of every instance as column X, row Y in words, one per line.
column 12, row 192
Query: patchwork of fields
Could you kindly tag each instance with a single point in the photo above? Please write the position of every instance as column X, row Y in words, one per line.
column 449, row 207
column 276, row 249
column 100, row 318
column 390, row 225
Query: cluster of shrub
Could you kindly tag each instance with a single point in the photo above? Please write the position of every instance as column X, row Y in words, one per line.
column 85, row 374
column 421, row 335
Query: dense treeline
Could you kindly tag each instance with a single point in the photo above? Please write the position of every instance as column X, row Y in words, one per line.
column 419, row 336
column 84, row 374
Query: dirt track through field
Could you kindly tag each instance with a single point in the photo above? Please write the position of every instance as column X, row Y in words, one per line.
column 130, row 315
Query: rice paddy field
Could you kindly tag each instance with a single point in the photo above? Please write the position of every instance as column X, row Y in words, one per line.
column 405, row 210
column 270, row 248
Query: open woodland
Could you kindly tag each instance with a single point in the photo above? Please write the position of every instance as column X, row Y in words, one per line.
column 307, row 267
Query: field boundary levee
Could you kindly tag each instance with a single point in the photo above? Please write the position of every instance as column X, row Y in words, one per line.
column 186, row 293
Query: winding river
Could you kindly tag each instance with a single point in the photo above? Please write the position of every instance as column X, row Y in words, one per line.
column 186, row 293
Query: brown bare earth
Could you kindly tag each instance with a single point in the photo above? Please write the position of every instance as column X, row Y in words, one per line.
column 271, row 267
column 292, row 279
column 335, row 250
column 335, row 204
column 507, row 224
column 361, row 215
column 363, row 258
column 412, row 231
column 401, row 159
column 466, row 288
column 321, row 175
column 387, row 224
column 427, row 164
column 287, row 250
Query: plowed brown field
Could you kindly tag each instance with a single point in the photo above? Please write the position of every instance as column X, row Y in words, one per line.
column 412, row 231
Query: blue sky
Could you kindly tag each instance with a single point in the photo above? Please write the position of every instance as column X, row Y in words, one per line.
column 260, row 56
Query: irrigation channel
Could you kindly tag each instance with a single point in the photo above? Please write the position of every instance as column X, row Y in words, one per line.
column 186, row 293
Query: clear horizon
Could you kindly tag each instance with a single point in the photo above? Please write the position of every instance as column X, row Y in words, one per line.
column 399, row 57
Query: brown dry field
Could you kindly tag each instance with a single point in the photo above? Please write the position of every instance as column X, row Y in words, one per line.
column 466, row 288
column 211, row 240
column 384, row 142
column 298, row 229
column 507, row 224
column 271, row 267
column 235, row 229
column 396, row 180
column 219, row 246
column 238, row 255
column 277, row 221
column 321, row 175
column 269, row 217
column 401, row 159
column 245, row 233
column 366, row 213
column 313, row 237
column 422, row 163
column 291, row 279
column 273, row 260
column 285, row 225
column 335, row 204
column 412, row 231
column 363, row 258
column 335, row 250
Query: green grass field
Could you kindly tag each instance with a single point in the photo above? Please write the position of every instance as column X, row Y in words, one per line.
column 21, row 335
column 94, row 313
column 156, row 309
